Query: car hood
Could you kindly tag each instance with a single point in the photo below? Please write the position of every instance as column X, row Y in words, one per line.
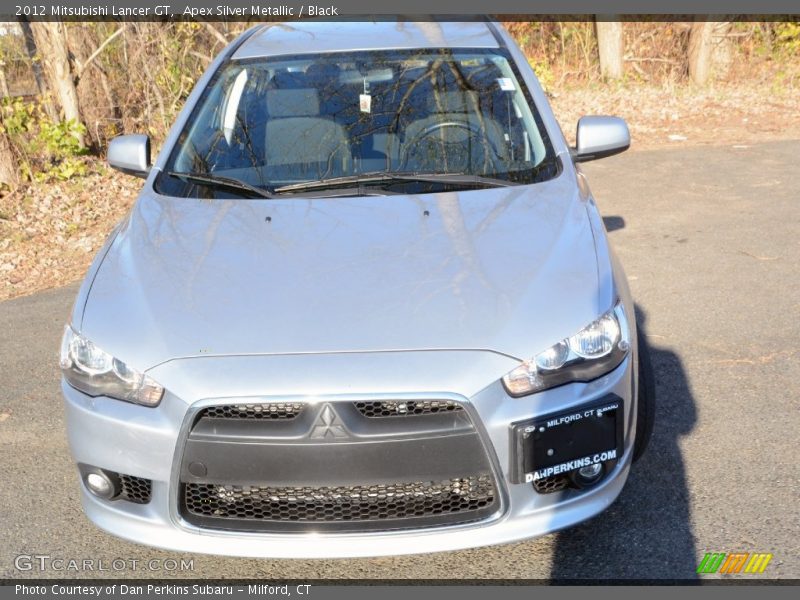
column 510, row 270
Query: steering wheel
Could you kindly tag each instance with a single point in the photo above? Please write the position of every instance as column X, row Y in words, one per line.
column 471, row 128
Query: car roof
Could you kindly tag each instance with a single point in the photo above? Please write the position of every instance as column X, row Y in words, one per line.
column 312, row 37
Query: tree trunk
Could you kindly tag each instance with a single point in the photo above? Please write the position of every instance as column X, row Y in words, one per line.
column 609, row 46
column 30, row 50
column 9, row 169
column 53, row 48
column 4, row 93
column 36, row 67
column 700, row 48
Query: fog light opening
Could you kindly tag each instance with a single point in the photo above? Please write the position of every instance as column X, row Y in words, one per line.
column 587, row 476
column 102, row 484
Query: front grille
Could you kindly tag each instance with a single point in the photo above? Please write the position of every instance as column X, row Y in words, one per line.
column 277, row 410
column 549, row 485
column 335, row 467
column 402, row 409
column 465, row 498
column 135, row 489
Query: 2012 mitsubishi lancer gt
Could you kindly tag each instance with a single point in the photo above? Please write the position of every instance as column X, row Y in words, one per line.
column 364, row 304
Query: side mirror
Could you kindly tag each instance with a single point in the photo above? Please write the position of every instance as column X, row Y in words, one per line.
column 599, row 137
column 130, row 154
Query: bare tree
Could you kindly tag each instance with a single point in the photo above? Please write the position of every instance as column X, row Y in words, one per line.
column 9, row 170
column 704, row 37
column 609, row 45
column 30, row 49
column 700, row 40
column 53, row 48
column 3, row 83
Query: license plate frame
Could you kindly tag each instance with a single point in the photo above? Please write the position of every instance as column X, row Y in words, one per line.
column 581, row 436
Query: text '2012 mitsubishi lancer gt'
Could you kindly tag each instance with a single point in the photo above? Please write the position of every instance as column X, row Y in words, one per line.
column 365, row 304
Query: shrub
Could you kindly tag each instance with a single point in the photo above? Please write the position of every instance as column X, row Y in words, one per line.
column 45, row 149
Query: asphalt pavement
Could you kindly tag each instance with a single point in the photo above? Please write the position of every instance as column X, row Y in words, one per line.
column 710, row 239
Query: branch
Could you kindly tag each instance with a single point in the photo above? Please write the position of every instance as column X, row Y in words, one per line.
column 213, row 31
column 659, row 60
column 96, row 53
column 206, row 59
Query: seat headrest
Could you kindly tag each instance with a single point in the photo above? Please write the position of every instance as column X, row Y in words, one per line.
column 453, row 102
column 288, row 80
column 323, row 72
column 293, row 103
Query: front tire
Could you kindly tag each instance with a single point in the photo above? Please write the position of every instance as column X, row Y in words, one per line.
column 645, row 399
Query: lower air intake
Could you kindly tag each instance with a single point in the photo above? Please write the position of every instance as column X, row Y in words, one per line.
column 549, row 485
column 388, row 506
column 135, row 489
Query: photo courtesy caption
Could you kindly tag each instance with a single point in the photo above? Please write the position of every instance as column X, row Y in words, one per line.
column 135, row 590
column 63, row 590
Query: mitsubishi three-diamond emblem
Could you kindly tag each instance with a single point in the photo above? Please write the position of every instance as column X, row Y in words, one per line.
column 328, row 426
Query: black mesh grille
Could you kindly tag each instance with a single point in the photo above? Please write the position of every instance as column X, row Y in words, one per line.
column 464, row 497
column 135, row 489
column 402, row 409
column 548, row 485
column 280, row 410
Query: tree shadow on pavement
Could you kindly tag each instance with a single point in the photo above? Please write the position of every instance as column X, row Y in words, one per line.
column 647, row 532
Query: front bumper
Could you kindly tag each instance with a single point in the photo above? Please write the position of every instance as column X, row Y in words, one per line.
column 149, row 443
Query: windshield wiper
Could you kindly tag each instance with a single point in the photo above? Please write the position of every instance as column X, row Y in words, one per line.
column 223, row 182
column 384, row 176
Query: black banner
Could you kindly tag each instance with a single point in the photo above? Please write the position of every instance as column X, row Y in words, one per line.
column 261, row 10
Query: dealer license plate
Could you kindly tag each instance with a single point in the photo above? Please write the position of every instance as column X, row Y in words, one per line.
column 562, row 442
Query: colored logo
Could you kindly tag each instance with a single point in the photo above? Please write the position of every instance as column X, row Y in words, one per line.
column 740, row 562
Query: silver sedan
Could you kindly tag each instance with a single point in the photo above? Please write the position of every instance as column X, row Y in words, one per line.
column 364, row 304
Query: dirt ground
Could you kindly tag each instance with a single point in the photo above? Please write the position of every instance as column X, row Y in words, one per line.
column 50, row 232
column 662, row 117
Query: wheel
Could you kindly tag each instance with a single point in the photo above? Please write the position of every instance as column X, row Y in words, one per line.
column 645, row 399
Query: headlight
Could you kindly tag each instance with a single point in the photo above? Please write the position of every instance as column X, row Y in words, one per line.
column 592, row 352
column 96, row 373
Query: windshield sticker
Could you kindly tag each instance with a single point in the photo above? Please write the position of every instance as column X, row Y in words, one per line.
column 365, row 103
column 506, row 84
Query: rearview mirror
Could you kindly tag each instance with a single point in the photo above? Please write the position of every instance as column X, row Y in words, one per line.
column 130, row 154
column 600, row 136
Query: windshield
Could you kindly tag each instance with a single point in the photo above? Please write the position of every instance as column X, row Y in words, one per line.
column 284, row 121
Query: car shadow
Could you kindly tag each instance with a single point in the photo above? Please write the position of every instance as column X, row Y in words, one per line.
column 613, row 223
column 647, row 532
